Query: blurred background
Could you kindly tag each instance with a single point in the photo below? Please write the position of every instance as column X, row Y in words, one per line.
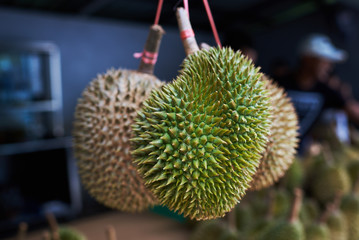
column 51, row 50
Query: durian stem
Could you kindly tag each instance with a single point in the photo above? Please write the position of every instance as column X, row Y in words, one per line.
column 111, row 233
column 152, row 46
column 297, row 202
column 22, row 231
column 53, row 225
column 232, row 219
column 189, row 43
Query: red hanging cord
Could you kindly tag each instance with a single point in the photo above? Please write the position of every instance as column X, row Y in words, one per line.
column 213, row 26
column 185, row 5
column 158, row 12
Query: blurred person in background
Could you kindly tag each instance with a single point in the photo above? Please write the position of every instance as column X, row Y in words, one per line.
column 318, row 57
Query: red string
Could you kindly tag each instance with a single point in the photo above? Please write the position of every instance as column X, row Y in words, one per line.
column 185, row 4
column 186, row 34
column 213, row 26
column 158, row 12
column 147, row 57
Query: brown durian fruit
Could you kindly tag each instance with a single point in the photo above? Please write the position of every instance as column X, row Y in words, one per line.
column 283, row 139
column 102, row 133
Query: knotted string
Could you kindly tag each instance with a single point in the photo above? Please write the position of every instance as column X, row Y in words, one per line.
column 151, row 57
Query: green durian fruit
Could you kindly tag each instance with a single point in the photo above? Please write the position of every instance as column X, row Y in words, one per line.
column 102, row 133
column 330, row 180
column 209, row 230
column 350, row 208
column 67, row 233
column 338, row 226
column 287, row 229
column 283, row 138
column 281, row 203
column 317, row 231
column 309, row 212
column 244, row 217
column 198, row 140
column 294, row 177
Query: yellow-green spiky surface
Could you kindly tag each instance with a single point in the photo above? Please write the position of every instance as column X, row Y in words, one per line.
column 102, row 133
column 198, row 140
column 283, row 139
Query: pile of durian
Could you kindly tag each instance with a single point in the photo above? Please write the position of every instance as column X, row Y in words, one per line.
column 328, row 177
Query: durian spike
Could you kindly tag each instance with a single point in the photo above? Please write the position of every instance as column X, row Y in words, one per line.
column 46, row 235
column 111, row 233
column 21, row 234
column 184, row 25
column 53, row 225
column 297, row 203
column 152, row 46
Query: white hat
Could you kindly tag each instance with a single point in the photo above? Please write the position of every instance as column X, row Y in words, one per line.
column 319, row 45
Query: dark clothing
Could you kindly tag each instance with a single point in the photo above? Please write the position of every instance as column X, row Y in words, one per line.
column 331, row 97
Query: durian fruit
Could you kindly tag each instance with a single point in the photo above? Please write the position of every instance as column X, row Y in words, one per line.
column 294, row 177
column 350, row 208
column 209, row 230
column 317, row 231
column 280, row 151
column 287, row 229
column 102, row 133
column 310, row 211
column 337, row 224
column 198, row 140
column 67, row 233
column 330, row 180
column 281, row 203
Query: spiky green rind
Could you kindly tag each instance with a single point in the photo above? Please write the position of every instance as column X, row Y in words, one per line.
column 350, row 208
column 317, row 231
column 198, row 140
column 338, row 226
column 283, row 139
column 329, row 181
column 102, row 132
column 66, row 233
column 284, row 230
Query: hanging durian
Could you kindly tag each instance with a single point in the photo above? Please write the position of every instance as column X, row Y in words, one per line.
column 198, row 140
column 283, row 139
column 102, row 132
